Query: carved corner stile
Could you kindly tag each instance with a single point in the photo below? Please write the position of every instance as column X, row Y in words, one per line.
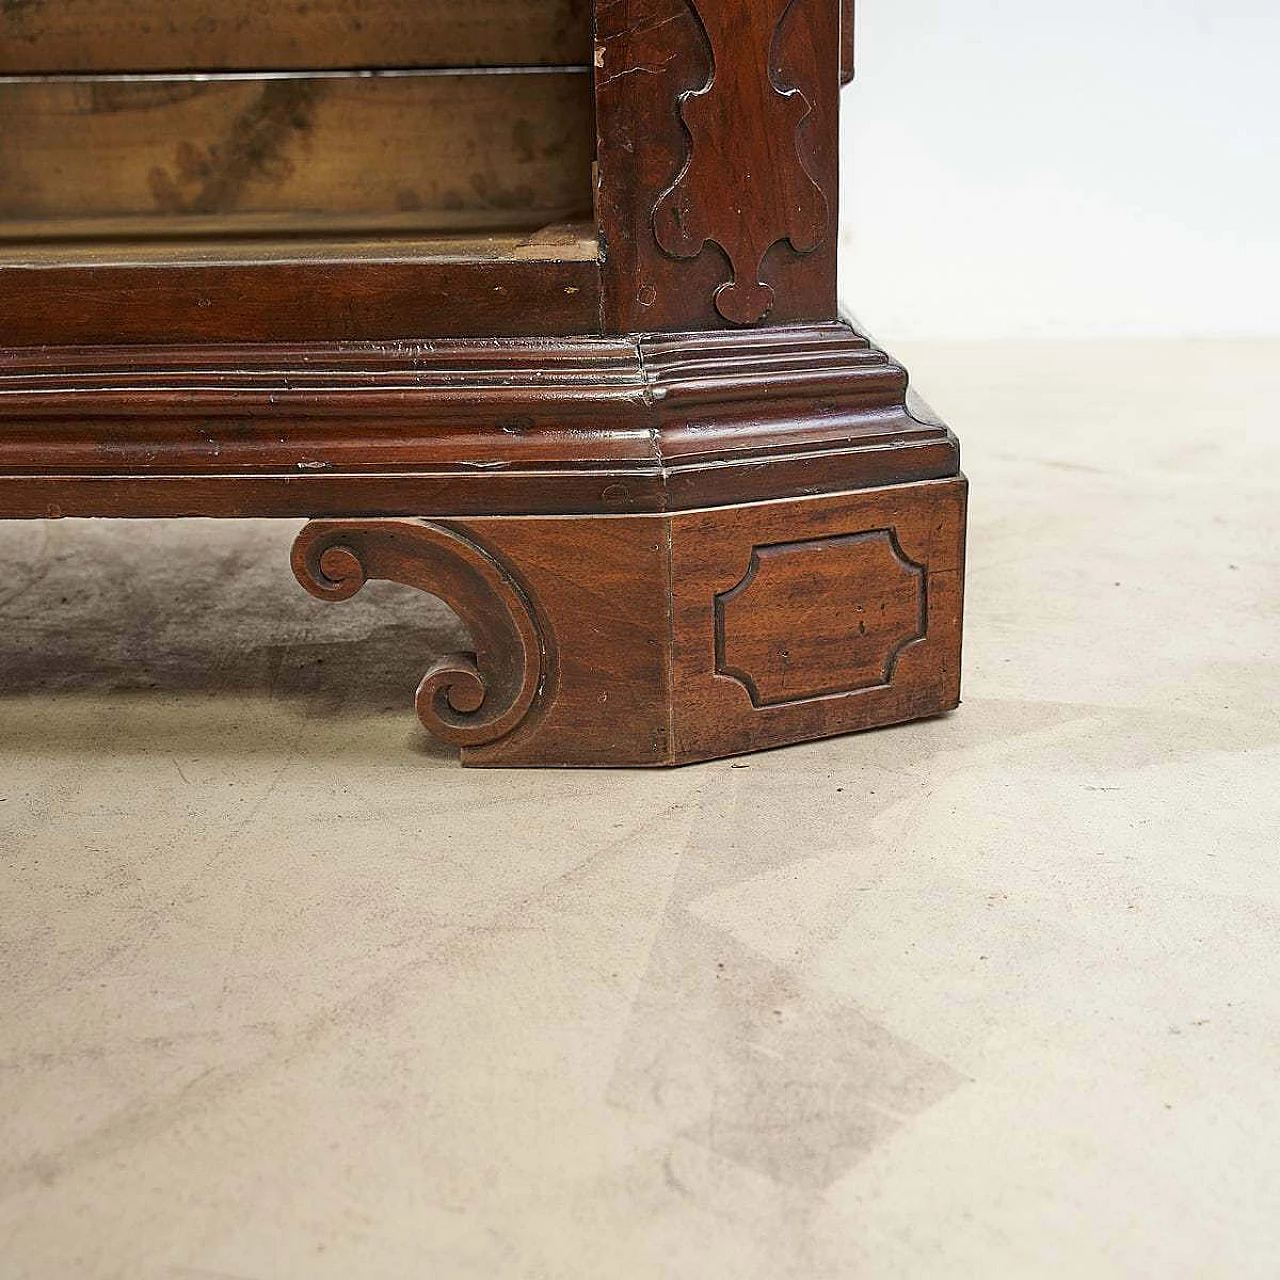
column 745, row 185
column 469, row 699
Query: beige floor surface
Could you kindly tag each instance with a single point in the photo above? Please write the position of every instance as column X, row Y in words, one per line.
column 286, row 993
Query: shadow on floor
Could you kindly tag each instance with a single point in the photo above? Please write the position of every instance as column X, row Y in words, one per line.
column 208, row 608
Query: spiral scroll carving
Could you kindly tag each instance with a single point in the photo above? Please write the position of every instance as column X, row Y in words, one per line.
column 469, row 699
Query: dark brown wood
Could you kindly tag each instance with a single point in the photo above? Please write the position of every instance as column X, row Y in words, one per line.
column 683, row 509
column 848, row 40
column 180, row 35
column 774, row 628
column 717, row 145
column 469, row 699
column 593, row 591
column 871, row 642
column 624, row 660
column 511, row 426
column 414, row 292
column 750, row 213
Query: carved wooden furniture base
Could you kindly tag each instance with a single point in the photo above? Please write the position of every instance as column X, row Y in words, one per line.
column 666, row 548
column 544, row 323
column 664, row 639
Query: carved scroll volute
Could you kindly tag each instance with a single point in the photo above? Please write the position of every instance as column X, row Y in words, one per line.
column 465, row 698
column 744, row 185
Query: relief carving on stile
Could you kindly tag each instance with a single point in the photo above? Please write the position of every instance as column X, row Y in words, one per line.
column 744, row 185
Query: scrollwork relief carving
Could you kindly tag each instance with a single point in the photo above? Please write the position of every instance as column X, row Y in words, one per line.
column 470, row 699
column 744, row 185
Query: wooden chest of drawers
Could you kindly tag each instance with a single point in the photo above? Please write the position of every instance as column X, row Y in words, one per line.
column 526, row 303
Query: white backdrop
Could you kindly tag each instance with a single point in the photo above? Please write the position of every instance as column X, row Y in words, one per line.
column 1090, row 168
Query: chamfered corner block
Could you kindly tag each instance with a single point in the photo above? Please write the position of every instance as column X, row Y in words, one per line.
column 668, row 638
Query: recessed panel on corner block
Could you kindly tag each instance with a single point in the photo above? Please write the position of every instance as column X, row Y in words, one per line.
column 823, row 616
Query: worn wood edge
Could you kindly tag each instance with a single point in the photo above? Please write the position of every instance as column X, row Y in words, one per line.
column 931, row 710
column 466, row 236
column 470, row 427
column 634, row 489
column 320, row 301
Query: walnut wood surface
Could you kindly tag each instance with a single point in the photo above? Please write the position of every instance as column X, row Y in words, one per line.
column 626, row 424
column 170, row 156
column 681, row 207
column 390, row 296
column 744, row 68
column 683, row 510
column 821, row 629
column 50, row 36
column 467, row 698
column 848, row 40
column 389, row 238
column 814, row 583
column 630, row 667
column 755, row 210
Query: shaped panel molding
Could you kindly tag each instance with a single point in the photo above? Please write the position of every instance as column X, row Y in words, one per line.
column 744, row 185
column 819, row 618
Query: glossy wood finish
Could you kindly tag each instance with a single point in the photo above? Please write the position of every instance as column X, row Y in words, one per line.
column 708, row 112
column 742, row 99
column 629, row 667
column 683, row 509
column 653, row 423
column 411, row 291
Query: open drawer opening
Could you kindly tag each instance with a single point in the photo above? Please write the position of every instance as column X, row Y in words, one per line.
column 246, row 136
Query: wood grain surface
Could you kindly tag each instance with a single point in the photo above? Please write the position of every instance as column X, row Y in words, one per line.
column 485, row 425
column 655, row 61
column 683, row 509
column 629, row 663
column 51, row 36
column 389, row 296
column 917, row 588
